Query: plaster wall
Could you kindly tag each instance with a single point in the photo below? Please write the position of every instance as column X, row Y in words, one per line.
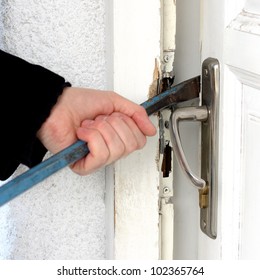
column 64, row 216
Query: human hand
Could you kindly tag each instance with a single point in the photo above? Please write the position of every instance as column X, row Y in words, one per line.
column 112, row 126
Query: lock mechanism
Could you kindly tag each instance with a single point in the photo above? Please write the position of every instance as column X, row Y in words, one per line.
column 207, row 114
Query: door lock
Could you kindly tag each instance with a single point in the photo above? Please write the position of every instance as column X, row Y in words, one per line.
column 207, row 114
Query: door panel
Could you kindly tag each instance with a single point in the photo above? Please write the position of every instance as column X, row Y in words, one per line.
column 229, row 32
column 250, row 207
column 232, row 35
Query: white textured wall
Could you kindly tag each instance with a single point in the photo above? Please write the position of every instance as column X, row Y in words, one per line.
column 1, row 25
column 63, row 217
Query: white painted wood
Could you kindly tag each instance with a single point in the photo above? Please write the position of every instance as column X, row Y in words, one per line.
column 166, row 207
column 186, row 65
column 136, row 45
column 166, row 229
column 252, row 6
column 250, row 175
column 168, row 32
column 231, row 34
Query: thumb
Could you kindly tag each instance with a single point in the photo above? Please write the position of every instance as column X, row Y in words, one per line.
column 135, row 111
column 143, row 122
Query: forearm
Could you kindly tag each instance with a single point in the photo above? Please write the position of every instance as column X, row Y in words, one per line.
column 28, row 93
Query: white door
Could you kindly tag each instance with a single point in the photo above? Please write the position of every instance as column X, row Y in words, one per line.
column 229, row 32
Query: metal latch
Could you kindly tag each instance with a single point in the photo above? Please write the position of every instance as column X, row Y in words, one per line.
column 207, row 114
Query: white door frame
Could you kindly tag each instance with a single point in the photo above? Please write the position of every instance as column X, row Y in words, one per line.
column 136, row 28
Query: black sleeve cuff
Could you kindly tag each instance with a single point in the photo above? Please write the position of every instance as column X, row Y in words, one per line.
column 27, row 94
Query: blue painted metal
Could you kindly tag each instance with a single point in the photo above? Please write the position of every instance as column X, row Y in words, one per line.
column 184, row 91
column 43, row 170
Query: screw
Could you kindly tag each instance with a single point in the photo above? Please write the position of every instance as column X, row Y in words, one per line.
column 166, row 190
column 206, row 72
column 166, row 58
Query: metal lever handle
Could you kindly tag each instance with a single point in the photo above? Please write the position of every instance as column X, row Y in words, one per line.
column 208, row 115
column 187, row 113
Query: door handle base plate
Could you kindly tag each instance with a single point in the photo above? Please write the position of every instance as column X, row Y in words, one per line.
column 207, row 114
column 209, row 145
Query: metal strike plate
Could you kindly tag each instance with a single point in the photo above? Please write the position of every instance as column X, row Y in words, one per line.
column 209, row 147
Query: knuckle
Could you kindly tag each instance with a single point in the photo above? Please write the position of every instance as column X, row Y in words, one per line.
column 113, row 120
column 104, row 157
column 101, row 124
column 120, row 151
column 133, row 146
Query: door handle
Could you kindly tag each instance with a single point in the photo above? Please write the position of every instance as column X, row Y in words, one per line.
column 207, row 114
column 186, row 113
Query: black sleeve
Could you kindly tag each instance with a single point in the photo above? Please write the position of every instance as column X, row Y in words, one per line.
column 27, row 94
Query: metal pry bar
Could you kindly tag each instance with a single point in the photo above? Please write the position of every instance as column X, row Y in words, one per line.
column 184, row 91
